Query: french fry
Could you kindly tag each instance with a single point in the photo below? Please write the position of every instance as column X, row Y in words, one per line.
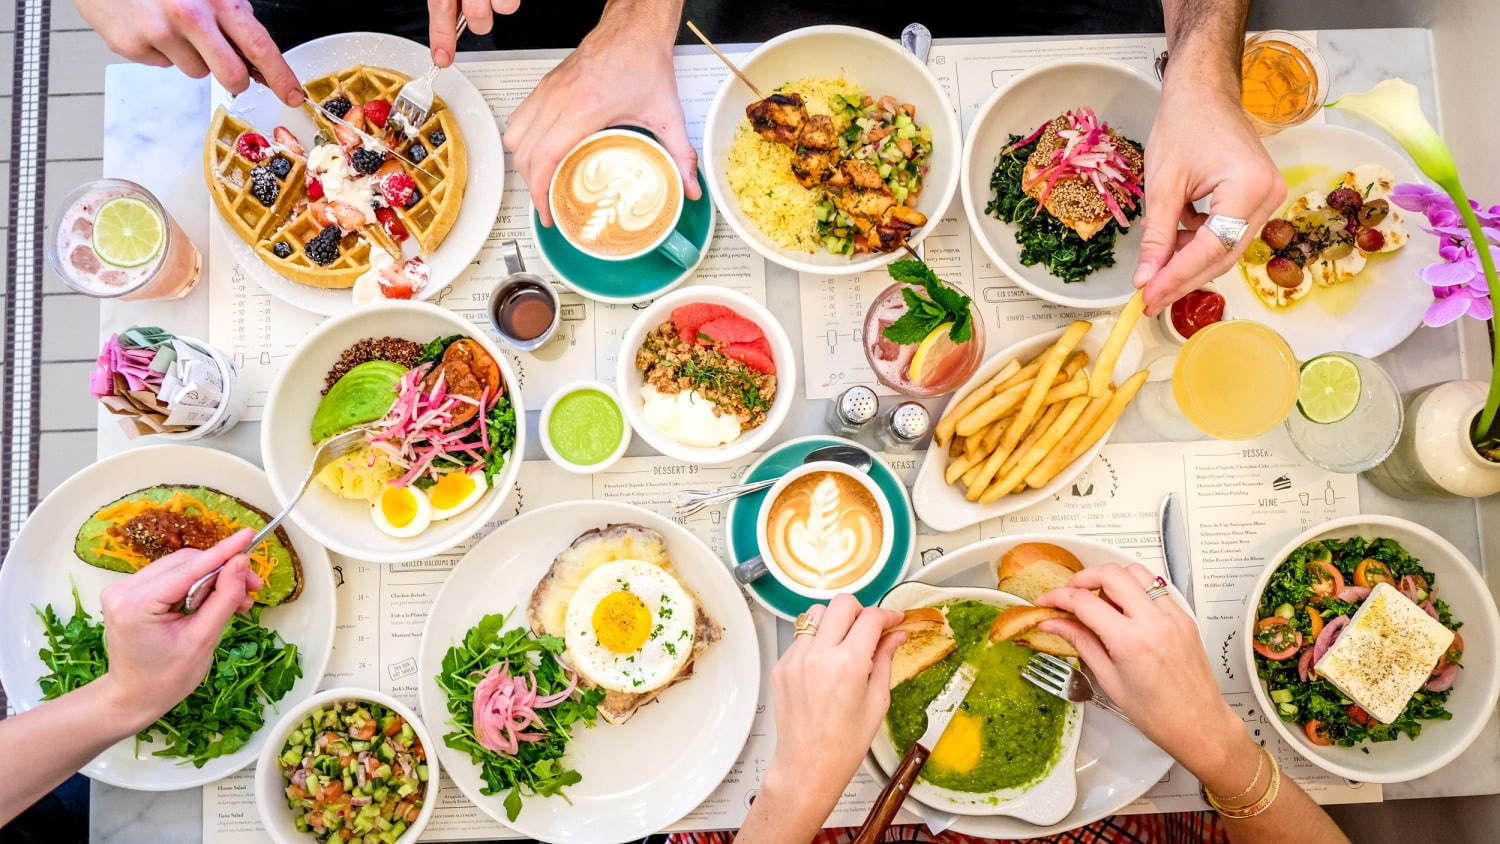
column 1109, row 355
column 971, row 400
column 957, row 446
column 956, row 468
column 987, row 471
column 1074, row 364
column 993, row 408
column 1076, row 386
column 973, row 471
column 1057, row 458
column 1025, row 373
column 1033, row 455
column 1117, row 404
column 994, row 432
column 1032, row 405
column 1036, row 432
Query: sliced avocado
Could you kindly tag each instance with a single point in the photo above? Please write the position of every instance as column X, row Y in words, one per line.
column 285, row 581
column 364, row 394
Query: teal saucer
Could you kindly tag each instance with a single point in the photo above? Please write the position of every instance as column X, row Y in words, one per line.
column 743, row 513
column 624, row 282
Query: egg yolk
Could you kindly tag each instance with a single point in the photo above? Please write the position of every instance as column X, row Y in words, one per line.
column 958, row 749
column 398, row 506
column 622, row 622
column 450, row 490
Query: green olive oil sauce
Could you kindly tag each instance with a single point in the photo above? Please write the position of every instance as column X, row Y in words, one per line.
column 1022, row 728
column 585, row 427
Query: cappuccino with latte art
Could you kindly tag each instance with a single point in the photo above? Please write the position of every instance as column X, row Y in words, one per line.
column 824, row 531
column 616, row 196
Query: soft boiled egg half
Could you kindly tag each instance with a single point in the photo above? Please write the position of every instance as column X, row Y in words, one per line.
column 455, row 492
column 406, row 511
column 629, row 627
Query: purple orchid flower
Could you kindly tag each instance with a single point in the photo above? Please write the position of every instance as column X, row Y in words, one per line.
column 1458, row 283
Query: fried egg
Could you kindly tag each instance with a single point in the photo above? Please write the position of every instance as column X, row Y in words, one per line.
column 629, row 627
column 455, row 492
column 401, row 511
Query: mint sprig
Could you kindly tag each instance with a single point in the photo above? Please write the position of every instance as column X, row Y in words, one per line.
column 924, row 314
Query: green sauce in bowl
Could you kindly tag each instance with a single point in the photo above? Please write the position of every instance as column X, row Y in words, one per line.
column 585, row 427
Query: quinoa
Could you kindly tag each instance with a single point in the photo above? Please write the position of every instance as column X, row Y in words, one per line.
column 672, row 366
column 394, row 349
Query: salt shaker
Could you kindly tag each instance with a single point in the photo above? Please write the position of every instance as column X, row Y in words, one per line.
column 903, row 426
column 853, row 411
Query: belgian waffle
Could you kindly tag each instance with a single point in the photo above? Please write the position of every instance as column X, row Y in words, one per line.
column 228, row 175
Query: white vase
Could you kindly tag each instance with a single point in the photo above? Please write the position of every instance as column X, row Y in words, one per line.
column 1435, row 457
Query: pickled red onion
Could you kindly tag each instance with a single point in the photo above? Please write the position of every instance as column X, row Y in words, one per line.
column 506, row 704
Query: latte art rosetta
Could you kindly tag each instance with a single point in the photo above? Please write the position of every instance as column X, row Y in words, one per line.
column 824, row 530
column 616, row 195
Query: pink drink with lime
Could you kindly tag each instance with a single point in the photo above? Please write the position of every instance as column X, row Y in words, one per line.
column 147, row 256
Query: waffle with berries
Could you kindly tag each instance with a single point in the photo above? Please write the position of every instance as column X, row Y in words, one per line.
column 254, row 183
column 362, row 95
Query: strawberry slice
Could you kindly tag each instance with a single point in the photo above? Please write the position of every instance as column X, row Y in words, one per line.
column 355, row 117
column 252, row 145
column 689, row 318
column 398, row 189
column 377, row 112
column 392, row 224
column 395, row 285
column 347, row 138
column 751, row 356
column 285, row 138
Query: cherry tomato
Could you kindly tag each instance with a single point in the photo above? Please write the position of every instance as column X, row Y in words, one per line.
column 1276, row 638
column 1316, row 733
column 1358, row 715
column 1370, row 572
column 1328, row 581
column 1454, row 653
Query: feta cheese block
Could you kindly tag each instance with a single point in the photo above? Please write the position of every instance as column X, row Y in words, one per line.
column 1385, row 654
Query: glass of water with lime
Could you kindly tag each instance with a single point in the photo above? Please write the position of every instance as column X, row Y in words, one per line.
column 1348, row 415
column 112, row 239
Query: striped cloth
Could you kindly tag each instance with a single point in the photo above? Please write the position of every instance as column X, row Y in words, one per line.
column 1179, row 828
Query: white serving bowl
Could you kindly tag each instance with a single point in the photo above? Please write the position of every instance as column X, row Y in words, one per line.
column 270, row 785
column 1474, row 693
column 881, row 67
column 546, row 437
column 1123, row 98
column 341, row 524
column 628, row 379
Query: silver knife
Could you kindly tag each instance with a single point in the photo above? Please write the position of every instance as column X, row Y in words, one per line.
column 939, row 713
column 1179, row 571
column 363, row 135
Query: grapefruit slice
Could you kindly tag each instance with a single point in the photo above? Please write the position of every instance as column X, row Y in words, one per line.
column 689, row 318
column 751, row 356
column 731, row 329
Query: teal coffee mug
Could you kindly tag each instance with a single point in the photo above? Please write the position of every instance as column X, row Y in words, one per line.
column 617, row 196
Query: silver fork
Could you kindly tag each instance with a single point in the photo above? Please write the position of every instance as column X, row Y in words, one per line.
column 414, row 100
column 1063, row 679
column 332, row 449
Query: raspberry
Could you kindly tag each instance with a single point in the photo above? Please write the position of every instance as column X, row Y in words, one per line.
column 436, row 137
column 314, row 189
column 263, row 186
column 337, row 106
column 398, row 190
column 282, row 249
column 323, row 249
column 281, row 166
column 252, row 146
column 391, row 224
column 367, row 160
column 417, row 153
column 377, row 112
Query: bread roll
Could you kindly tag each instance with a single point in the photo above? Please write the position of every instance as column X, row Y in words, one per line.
column 1018, row 624
column 1030, row 569
column 929, row 639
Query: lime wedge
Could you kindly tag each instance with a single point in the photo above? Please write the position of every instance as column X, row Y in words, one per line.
column 932, row 351
column 1330, row 389
column 128, row 232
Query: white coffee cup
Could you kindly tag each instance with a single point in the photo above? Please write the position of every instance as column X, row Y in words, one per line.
column 669, row 242
column 887, row 529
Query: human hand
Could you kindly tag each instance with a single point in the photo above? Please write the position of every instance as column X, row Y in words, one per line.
column 198, row 36
column 157, row 655
column 1201, row 144
column 442, row 25
column 620, row 75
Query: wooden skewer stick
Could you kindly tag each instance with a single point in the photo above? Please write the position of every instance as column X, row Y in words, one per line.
column 725, row 59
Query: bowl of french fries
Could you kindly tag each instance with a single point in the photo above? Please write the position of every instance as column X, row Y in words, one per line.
column 1031, row 418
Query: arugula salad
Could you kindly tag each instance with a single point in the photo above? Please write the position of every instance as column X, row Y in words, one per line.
column 1309, row 598
column 252, row 668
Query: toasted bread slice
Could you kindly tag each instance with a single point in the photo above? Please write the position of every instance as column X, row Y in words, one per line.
column 1030, row 569
column 929, row 640
column 1018, row 624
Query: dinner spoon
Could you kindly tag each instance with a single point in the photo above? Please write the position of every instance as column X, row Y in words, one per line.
column 331, row 450
column 689, row 501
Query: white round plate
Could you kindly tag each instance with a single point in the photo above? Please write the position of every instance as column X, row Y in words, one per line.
column 879, row 65
column 1474, row 692
column 641, row 776
column 40, row 569
column 942, row 506
column 1114, row 764
column 286, row 446
column 1123, row 98
column 1388, row 297
column 476, row 217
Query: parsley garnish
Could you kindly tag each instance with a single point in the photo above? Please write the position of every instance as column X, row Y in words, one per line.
column 726, row 380
column 942, row 304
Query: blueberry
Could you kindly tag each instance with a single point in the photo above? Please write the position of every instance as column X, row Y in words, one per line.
column 417, row 153
column 282, row 249
column 281, row 166
column 436, row 137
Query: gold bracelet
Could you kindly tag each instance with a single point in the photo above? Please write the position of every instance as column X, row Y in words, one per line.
column 1258, row 806
column 1260, row 764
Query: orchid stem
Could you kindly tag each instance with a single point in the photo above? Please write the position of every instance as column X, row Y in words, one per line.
column 1487, row 261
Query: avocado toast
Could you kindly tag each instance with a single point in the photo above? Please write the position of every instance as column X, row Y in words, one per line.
column 141, row 527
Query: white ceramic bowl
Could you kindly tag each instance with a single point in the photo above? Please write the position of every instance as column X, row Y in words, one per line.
column 1043, row 802
column 887, row 528
column 546, row 417
column 628, row 379
column 877, row 64
column 341, row 524
column 1474, row 693
column 1123, row 98
column 270, row 785
column 942, row 506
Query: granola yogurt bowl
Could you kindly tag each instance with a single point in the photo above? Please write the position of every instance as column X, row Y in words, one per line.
column 712, row 389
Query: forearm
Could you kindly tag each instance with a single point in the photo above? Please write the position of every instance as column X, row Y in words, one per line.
column 650, row 23
column 786, row 810
column 1205, row 39
column 1227, row 768
column 51, row 742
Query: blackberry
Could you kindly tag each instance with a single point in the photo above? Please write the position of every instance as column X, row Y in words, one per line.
column 367, row 161
column 281, row 166
column 323, row 249
column 436, row 137
column 337, row 106
column 417, row 153
column 282, row 249
column 263, row 186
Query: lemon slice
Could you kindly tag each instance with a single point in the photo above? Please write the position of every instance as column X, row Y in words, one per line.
column 128, row 232
column 1330, row 389
column 932, row 351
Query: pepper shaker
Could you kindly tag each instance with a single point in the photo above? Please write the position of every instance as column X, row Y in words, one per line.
column 903, row 426
column 853, row 411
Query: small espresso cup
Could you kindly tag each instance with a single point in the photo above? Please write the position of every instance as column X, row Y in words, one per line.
column 616, row 196
column 778, row 568
column 517, row 278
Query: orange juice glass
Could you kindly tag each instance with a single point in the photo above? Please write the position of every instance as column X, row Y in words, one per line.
column 1283, row 80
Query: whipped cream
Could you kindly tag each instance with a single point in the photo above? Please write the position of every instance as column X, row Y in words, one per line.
column 369, row 287
column 340, row 181
column 688, row 418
